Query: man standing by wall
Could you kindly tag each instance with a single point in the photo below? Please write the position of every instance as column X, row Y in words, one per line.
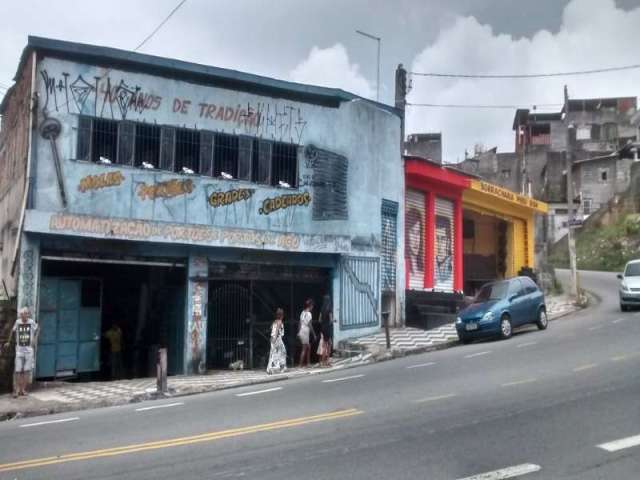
column 25, row 330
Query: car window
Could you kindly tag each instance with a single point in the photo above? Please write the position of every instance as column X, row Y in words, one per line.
column 632, row 270
column 492, row 291
column 515, row 287
column 529, row 285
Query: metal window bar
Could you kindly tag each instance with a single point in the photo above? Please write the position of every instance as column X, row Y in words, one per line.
column 83, row 148
column 225, row 155
column 104, row 140
column 284, row 164
column 187, row 150
column 147, row 145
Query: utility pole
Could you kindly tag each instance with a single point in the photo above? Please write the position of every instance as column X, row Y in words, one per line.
column 571, row 138
column 377, row 39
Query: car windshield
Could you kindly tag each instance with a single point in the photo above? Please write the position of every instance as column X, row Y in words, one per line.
column 492, row 291
column 632, row 270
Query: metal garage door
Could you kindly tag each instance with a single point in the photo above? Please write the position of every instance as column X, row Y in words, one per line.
column 414, row 238
column 444, row 245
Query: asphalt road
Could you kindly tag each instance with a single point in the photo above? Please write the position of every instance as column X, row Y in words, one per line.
column 557, row 404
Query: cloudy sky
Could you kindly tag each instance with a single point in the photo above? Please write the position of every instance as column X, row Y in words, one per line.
column 314, row 42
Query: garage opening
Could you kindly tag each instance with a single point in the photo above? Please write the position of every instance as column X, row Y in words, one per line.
column 486, row 250
column 243, row 299
column 81, row 301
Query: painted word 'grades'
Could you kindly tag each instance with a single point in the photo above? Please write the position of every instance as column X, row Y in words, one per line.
column 222, row 199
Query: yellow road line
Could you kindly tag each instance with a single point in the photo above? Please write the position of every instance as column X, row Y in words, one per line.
column 582, row 368
column 176, row 442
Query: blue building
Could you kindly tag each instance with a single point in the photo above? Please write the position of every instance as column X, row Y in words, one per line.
column 186, row 203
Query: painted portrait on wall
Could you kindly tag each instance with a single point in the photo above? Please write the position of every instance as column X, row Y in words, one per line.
column 415, row 246
column 443, row 251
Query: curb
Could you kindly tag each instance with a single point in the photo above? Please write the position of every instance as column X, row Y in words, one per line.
column 367, row 358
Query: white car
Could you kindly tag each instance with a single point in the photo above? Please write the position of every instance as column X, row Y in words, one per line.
column 630, row 285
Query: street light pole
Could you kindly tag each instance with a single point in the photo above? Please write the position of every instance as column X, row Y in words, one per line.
column 571, row 240
column 377, row 39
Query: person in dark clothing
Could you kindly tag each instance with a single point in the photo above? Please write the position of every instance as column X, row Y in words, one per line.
column 326, row 331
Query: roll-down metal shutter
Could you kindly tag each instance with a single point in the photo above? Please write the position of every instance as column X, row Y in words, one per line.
column 444, row 245
column 414, row 238
column 389, row 243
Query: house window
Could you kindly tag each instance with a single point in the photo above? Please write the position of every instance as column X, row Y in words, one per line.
column 97, row 139
column 583, row 132
column 225, row 155
column 610, row 131
column 562, row 211
column 187, row 151
column 506, row 174
column 587, row 205
column 604, row 175
column 261, row 162
column 147, row 145
column 285, row 164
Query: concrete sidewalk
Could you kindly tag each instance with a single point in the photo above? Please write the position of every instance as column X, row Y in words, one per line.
column 57, row 397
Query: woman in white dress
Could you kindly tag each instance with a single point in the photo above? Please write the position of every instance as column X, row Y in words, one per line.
column 305, row 331
column 278, row 354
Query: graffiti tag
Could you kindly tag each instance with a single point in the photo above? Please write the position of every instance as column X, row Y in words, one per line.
column 168, row 189
column 281, row 202
column 103, row 180
column 222, row 199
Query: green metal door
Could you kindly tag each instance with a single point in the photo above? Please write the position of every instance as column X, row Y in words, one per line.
column 69, row 340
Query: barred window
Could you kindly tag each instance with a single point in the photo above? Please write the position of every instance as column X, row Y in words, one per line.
column 285, row 164
column 225, row 155
column 187, row 150
column 147, row 145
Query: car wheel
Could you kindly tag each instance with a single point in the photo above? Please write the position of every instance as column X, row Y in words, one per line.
column 624, row 308
column 505, row 327
column 543, row 321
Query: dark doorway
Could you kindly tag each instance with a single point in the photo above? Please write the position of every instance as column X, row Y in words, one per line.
column 147, row 302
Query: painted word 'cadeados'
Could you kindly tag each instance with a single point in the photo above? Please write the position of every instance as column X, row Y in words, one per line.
column 103, row 180
column 281, row 202
column 168, row 189
column 222, row 199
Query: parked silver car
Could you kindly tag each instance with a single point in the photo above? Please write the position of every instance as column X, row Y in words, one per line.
column 630, row 285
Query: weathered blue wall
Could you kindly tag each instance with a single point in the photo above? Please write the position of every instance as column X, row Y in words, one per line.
column 122, row 202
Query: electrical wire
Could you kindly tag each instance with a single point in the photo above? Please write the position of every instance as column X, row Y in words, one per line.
column 528, row 75
column 471, row 106
column 150, row 36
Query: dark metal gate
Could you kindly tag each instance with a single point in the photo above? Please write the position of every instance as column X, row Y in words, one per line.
column 241, row 313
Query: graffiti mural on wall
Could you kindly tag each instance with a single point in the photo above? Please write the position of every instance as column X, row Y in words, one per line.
column 415, row 244
column 168, row 189
column 27, row 279
column 281, row 202
column 96, row 96
column 103, row 180
column 223, row 199
column 197, row 344
column 444, row 250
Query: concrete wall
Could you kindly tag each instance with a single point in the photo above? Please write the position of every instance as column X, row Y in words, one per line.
column 14, row 147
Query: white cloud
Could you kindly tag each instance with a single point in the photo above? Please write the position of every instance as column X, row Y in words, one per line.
column 331, row 67
column 593, row 34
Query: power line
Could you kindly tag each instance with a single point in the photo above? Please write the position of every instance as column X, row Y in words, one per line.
column 528, row 75
column 510, row 107
column 177, row 7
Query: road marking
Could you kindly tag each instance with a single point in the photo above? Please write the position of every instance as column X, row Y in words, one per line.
column 166, row 405
column 62, row 420
column 526, row 344
column 509, row 472
column 176, row 442
column 478, row 354
column 438, row 397
column 621, row 444
column 618, row 320
column 428, row 364
column 597, row 327
column 519, row 382
column 258, row 392
column 342, row 379
column 582, row 368
column 617, row 358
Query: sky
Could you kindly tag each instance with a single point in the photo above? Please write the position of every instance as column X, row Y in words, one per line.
column 313, row 41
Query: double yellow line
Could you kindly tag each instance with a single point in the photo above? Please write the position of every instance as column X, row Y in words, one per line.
column 177, row 442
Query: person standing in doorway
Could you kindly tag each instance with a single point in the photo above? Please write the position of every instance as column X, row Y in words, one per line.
column 305, row 331
column 25, row 330
column 326, row 329
column 114, row 336
column 278, row 353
